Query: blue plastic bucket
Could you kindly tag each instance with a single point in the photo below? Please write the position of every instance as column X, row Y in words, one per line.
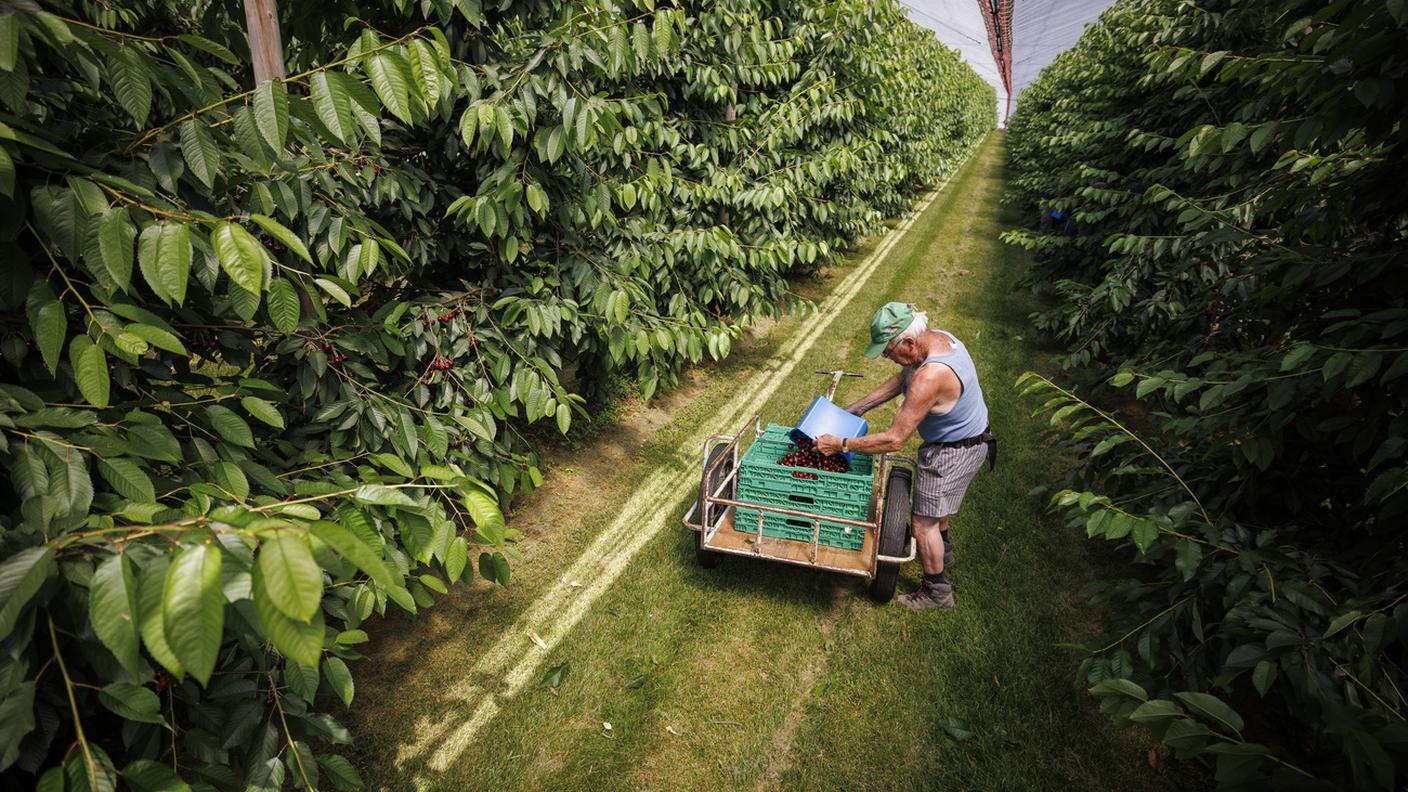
column 825, row 418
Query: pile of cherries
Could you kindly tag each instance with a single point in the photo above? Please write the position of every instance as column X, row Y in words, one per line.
column 803, row 453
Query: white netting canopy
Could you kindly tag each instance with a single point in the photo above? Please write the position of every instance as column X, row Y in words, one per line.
column 1041, row 30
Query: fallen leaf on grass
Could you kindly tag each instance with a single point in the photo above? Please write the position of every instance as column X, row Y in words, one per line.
column 636, row 683
column 607, row 731
column 957, row 728
column 553, row 680
column 538, row 640
column 575, row 584
column 671, row 730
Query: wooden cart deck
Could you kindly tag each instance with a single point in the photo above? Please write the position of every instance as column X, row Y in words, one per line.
column 857, row 562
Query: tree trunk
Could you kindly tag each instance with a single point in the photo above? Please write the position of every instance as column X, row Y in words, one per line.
column 265, row 45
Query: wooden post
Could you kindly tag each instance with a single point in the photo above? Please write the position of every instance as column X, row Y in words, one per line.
column 266, row 48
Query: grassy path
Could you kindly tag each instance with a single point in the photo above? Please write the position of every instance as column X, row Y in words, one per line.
column 757, row 676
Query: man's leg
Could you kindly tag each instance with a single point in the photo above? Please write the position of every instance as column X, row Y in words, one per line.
column 928, row 535
column 935, row 591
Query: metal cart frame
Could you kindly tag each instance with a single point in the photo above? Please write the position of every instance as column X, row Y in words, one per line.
column 718, row 513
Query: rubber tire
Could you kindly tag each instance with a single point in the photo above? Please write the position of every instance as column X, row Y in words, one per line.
column 894, row 533
column 708, row 558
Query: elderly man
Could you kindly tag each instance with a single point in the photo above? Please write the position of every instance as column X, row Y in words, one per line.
column 942, row 400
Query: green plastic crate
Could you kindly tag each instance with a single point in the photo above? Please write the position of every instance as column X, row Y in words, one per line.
column 762, row 480
column 817, row 504
column 780, row 526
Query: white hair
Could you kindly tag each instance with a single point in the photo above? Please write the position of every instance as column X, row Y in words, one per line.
column 917, row 328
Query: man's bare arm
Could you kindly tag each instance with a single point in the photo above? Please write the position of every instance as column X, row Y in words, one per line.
column 887, row 390
column 931, row 385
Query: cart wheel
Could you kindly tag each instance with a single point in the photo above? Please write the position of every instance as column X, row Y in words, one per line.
column 894, row 533
column 708, row 558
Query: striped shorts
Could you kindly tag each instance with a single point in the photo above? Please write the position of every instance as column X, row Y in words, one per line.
column 944, row 476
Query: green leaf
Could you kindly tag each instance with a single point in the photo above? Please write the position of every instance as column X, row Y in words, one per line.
column 555, row 676
column 151, row 584
column 493, row 566
column 487, row 216
column 115, row 235
column 301, row 642
column 484, row 510
column 157, row 337
column 242, row 257
column 504, row 125
column 354, row 550
column 381, row 495
column 48, row 323
column 127, row 73
column 368, row 255
column 1212, row 707
column 283, row 305
column 334, row 290
column 193, row 608
column 229, row 477
column 112, row 609
column 132, row 702
column 289, row 240
column 61, row 217
column 271, row 113
column 16, row 721
column 333, row 106
column 164, row 253
column 263, row 410
column 424, row 70
column 146, row 775
column 128, row 478
column 90, row 370
column 390, row 85
column 640, row 41
column 229, row 425
column 1118, row 687
column 469, row 123
column 1189, row 556
column 211, row 48
column 9, row 40
column 91, row 771
column 957, row 728
column 1144, row 532
column 339, row 679
column 200, row 152
column 343, row 775
column 291, row 575
column 21, row 575
column 1156, row 711
column 1342, row 621
column 456, row 558
column 1264, row 676
column 7, row 173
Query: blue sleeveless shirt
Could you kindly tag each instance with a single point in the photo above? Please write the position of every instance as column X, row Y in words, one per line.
column 969, row 415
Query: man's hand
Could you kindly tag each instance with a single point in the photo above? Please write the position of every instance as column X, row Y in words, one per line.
column 828, row 444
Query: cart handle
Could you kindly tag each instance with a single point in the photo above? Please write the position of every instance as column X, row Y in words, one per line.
column 836, row 375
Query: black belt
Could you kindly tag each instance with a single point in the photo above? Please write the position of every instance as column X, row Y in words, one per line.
column 986, row 437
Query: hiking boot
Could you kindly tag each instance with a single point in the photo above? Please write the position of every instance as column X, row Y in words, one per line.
column 929, row 595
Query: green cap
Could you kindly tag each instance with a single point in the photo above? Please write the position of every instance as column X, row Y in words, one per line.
column 889, row 322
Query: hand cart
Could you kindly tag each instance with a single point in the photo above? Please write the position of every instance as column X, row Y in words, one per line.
column 887, row 543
